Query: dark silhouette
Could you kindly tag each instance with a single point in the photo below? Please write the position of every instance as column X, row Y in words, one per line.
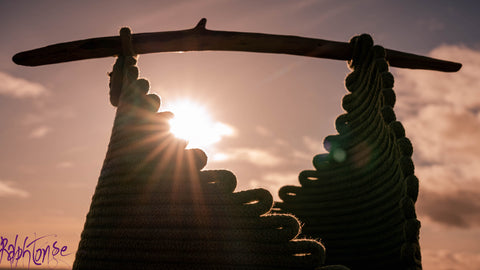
column 154, row 208
column 360, row 198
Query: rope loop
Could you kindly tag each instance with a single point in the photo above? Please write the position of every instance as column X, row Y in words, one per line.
column 124, row 70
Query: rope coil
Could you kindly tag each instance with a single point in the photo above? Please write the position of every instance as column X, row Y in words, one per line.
column 360, row 198
column 154, row 207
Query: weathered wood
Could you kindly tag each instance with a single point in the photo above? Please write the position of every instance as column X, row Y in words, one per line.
column 201, row 39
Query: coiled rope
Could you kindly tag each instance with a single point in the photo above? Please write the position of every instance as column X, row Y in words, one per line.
column 360, row 198
column 154, row 208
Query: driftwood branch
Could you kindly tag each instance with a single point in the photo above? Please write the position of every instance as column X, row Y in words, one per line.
column 201, row 39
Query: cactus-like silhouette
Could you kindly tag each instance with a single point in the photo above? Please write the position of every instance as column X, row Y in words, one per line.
column 360, row 198
column 154, row 207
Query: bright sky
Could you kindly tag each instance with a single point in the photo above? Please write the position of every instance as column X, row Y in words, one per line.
column 272, row 111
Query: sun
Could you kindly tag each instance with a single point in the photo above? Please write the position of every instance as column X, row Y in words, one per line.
column 193, row 123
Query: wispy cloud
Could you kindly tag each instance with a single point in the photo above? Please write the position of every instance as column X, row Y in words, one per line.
column 460, row 208
column 273, row 181
column 274, row 153
column 39, row 132
column 443, row 259
column 267, row 133
column 457, row 90
column 263, row 131
column 256, row 156
column 19, row 88
column 313, row 145
column 7, row 190
column 281, row 178
column 432, row 24
column 48, row 114
column 441, row 114
column 65, row 164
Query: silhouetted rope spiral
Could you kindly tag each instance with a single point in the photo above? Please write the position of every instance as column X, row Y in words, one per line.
column 154, row 208
column 360, row 198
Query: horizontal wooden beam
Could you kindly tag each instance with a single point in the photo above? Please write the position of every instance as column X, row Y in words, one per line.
column 201, row 39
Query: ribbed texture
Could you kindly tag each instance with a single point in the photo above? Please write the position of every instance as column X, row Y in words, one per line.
column 360, row 198
column 154, row 208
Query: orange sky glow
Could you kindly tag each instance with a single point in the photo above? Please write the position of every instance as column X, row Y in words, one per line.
column 267, row 114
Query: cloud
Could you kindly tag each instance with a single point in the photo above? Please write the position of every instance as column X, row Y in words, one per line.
column 281, row 178
column 7, row 190
column 255, row 156
column 459, row 208
column 441, row 115
column 273, row 181
column 313, row 145
column 20, row 88
column 65, row 164
column 275, row 153
column 39, row 132
column 431, row 24
column 443, row 259
column 43, row 115
column 263, row 131
column 458, row 90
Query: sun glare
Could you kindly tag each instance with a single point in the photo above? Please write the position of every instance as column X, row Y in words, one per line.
column 193, row 123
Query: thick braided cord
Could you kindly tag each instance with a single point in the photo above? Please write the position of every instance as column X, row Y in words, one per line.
column 360, row 198
column 154, row 208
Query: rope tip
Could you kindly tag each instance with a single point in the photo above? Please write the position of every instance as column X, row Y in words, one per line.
column 125, row 31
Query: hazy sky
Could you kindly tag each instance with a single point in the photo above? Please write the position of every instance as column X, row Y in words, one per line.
column 56, row 120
